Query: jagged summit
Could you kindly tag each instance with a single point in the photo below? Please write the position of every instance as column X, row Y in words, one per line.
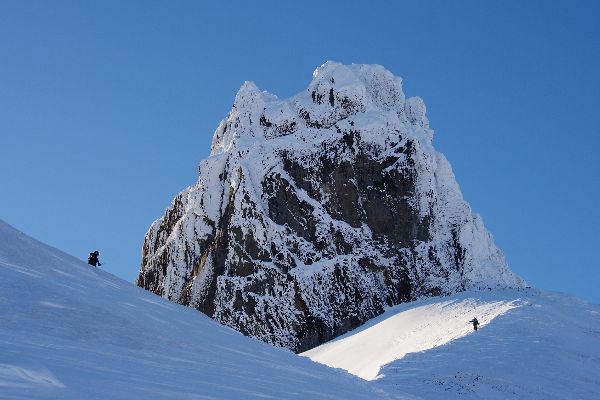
column 374, row 86
column 315, row 213
column 336, row 92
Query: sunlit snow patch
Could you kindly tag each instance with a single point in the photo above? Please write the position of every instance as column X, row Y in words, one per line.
column 407, row 328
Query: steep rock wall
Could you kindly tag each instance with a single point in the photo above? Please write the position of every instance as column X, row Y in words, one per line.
column 314, row 213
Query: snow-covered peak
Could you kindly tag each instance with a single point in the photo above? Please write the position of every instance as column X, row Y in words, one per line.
column 338, row 96
column 316, row 212
column 379, row 87
column 250, row 96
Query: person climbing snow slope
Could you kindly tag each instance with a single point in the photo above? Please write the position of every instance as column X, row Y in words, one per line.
column 93, row 259
column 475, row 323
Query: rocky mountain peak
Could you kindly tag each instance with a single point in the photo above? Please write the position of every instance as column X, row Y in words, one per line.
column 335, row 93
column 314, row 213
column 373, row 86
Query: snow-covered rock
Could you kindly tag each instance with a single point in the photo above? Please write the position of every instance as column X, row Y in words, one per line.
column 315, row 213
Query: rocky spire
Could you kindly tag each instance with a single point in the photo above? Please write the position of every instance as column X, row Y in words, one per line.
column 314, row 213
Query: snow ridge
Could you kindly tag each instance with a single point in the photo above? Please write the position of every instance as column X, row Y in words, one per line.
column 531, row 344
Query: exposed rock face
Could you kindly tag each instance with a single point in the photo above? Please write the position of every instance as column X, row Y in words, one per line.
column 314, row 213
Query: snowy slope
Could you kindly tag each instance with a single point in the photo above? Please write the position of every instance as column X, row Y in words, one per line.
column 408, row 328
column 531, row 345
column 68, row 331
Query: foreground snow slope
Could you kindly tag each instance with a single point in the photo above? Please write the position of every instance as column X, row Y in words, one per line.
column 531, row 345
column 68, row 331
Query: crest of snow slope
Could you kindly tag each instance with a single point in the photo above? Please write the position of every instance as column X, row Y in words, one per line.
column 531, row 345
column 405, row 329
column 315, row 213
column 69, row 331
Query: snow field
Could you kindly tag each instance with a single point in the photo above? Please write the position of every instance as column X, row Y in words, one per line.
column 531, row 344
column 407, row 328
column 68, row 331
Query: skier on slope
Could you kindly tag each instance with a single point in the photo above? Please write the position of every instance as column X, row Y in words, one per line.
column 475, row 323
column 93, row 259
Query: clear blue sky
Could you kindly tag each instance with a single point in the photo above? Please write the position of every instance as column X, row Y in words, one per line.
column 106, row 109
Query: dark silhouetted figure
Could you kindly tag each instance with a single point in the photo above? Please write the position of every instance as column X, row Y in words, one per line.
column 93, row 259
column 475, row 323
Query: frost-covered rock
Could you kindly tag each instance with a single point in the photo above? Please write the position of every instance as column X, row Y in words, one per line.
column 314, row 213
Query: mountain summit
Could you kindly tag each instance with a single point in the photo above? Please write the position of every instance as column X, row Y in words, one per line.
column 315, row 213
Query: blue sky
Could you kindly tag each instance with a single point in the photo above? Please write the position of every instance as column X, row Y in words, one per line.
column 106, row 109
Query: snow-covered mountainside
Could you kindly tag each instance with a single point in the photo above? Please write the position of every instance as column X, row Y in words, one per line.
column 531, row 344
column 70, row 331
column 315, row 213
